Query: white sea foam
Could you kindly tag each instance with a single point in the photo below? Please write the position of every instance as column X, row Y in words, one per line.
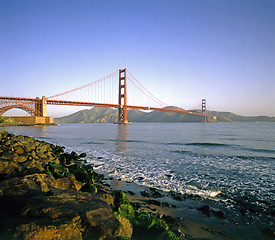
column 205, row 171
column 134, row 170
column 203, row 193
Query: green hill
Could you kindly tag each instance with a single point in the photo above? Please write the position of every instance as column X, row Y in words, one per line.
column 93, row 115
column 231, row 117
column 104, row 115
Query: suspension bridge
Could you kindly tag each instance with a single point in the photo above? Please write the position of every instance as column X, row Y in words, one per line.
column 119, row 89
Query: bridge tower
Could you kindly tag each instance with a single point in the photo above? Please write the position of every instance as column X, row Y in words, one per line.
column 203, row 109
column 41, row 107
column 122, row 97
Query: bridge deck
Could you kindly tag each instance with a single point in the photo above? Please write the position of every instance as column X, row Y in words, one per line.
column 92, row 104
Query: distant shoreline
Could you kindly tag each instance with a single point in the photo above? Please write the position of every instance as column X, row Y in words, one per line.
column 108, row 115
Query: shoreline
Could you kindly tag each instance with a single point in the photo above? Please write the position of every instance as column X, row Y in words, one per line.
column 187, row 217
column 194, row 216
column 48, row 193
column 183, row 213
column 3, row 125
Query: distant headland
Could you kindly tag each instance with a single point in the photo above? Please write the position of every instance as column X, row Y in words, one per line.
column 109, row 115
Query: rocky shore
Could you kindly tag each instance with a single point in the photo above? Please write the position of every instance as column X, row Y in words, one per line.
column 46, row 193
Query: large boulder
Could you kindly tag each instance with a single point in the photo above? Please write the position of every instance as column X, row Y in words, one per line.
column 67, row 183
column 126, row 228
column 101, row 222
column 19, row 186
column 31, row 207
column 32, row 231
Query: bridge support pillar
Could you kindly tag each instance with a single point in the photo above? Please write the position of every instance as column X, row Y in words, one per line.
column 122, row 97
column 41, row 107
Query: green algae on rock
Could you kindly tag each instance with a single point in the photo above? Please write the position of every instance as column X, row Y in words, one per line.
column 143, row 222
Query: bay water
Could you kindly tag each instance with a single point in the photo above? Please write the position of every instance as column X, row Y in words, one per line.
column 229, row 164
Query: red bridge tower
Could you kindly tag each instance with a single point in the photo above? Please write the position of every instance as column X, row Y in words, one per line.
column 122, row 97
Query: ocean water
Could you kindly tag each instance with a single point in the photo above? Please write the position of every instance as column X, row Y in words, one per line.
column 231, row 164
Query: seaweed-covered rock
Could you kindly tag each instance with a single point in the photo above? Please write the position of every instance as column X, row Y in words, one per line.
column 167, row 235
column 121, row 238
column 143, row 223
column 127, row 211
column 56, row 170
column 147, row 221
column 120, row 198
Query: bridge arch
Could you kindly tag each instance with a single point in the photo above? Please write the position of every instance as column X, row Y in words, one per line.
column 30, row 110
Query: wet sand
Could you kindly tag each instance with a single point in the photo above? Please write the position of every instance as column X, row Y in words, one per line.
column 182, row 215
column 194, row 216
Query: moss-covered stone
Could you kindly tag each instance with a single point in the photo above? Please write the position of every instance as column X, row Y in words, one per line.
column 167, row 235
column 159, row 225
column 120, row 198
column 121, row 238
column 57, row 171
column 143, row 220
column 127, row 211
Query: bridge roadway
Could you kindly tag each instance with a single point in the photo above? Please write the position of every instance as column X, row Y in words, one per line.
column 88, row 104
column 91, row 104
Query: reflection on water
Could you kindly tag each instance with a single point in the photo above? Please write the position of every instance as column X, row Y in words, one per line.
column 43, row 130
column 122, row 137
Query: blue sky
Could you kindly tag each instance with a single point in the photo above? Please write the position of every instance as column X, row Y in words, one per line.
column 180, row 50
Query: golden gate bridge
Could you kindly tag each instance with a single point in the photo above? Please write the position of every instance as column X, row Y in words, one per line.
column 119, row 89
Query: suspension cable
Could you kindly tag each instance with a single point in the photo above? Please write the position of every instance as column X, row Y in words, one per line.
column 154, row 98
column 84, row 86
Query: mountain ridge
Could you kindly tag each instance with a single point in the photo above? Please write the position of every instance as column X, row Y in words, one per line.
column 109, row 115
